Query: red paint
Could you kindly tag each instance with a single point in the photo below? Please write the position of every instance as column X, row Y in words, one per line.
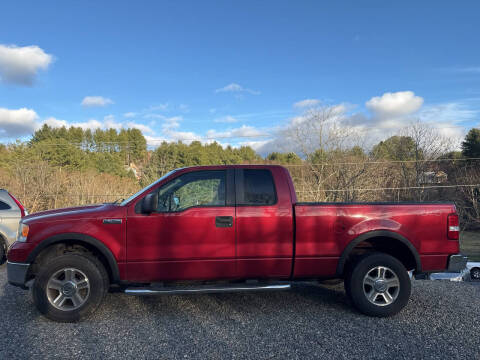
column 263, row 242
column 180, row 246
column 324, row 231
column 265, row 234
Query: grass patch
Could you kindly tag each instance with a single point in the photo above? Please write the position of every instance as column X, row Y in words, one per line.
column 470, row 245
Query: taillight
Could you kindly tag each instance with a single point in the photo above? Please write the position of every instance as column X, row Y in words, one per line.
column 453, row 228
column 19, row 204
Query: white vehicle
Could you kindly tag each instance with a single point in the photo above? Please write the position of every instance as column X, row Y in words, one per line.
column 473, row 268
column 470, row 273
column 11, row 212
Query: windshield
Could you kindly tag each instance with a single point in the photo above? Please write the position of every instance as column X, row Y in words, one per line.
column 126, row 201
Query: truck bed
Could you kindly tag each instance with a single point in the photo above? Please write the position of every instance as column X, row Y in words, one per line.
column 323, row 231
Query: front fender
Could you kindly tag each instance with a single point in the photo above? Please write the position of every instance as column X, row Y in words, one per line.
column 80, row 239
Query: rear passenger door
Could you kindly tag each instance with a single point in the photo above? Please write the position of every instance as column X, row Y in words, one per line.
column 264, row 224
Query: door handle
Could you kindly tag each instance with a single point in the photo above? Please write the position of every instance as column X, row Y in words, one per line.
column 224, row 221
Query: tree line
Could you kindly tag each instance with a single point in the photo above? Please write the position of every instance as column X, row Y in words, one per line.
column 61, row 167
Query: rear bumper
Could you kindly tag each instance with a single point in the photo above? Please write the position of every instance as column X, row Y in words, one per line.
column 17, row 273
column 457, row 263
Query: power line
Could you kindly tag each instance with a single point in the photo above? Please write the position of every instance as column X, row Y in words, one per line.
column 298, row 191
column 380, row 162
column 306, row 164
column 392, row 188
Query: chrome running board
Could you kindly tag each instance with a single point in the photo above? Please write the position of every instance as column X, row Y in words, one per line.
column 206, row 289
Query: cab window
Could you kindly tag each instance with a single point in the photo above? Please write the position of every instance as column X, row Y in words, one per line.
column 200, row 188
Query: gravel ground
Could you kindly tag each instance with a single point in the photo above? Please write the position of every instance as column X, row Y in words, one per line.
column 441, row 321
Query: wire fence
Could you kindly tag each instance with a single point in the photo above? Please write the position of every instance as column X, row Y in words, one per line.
column 298, row 191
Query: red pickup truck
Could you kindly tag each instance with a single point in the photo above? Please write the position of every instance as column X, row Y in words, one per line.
column 229, row 228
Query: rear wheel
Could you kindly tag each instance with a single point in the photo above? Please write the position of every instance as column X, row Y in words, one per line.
column 378, row 285
column 70, row 287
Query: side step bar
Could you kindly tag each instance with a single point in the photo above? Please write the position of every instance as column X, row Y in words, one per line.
column 203, row 289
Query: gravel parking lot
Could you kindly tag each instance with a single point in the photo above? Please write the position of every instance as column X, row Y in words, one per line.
column 441, row 321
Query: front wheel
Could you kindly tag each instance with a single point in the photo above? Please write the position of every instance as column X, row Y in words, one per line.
column 378, row 285
column 70, row 287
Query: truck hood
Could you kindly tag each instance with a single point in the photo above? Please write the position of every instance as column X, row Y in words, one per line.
column 70, row 213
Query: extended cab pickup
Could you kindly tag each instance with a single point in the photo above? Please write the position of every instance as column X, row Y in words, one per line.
column 229, row 228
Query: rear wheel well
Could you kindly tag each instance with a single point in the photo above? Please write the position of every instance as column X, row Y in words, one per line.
column 65, row 247
column 386, row 245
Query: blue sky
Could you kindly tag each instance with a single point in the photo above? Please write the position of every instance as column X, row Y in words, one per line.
column 230, row 70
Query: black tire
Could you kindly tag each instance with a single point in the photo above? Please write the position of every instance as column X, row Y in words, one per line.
column 475, row 273
column 347, row 281
column 3, row 252
column 389, row 301
column 85, row 264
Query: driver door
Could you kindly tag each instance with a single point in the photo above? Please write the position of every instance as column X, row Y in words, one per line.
column 190, row 236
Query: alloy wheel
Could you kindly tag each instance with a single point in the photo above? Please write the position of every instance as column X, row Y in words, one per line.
column 68, row 289
column 381, row 286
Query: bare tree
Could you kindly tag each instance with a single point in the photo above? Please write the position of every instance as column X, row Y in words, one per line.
column 323, row 137
column 429, row 145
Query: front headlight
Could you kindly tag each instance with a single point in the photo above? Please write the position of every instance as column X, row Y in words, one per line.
column 22, row 232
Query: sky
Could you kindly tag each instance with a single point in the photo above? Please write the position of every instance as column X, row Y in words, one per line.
column 237, row 71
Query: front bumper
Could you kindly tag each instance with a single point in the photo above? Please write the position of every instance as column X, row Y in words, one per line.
column 17, row 273
column 457, row 263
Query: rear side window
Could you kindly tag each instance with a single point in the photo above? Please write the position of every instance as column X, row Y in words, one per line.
column 258, row 188
column 4, row 206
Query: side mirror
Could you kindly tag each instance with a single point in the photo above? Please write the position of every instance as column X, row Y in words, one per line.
column 150, row 203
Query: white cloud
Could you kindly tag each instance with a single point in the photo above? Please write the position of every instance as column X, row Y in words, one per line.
column 173, row 136
column 187, row 136
column 307, row 103
column 256, row 145
column 448, row 119
column 109, row 122
column 55, row 123
column 236, row 88
column 91, row 124
column 154, row 116
column 130, row 114
column 143, row 128
column 243, row 131
column 170, row 132
column 452, row 112
column 96, row 101
column 159, row 107
column 157, row 111
column 396, row 104
column 17, row 122
column 334, row 112
column 171, row 123
column 20, row 65
column 154, row 140
column 226, row 119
